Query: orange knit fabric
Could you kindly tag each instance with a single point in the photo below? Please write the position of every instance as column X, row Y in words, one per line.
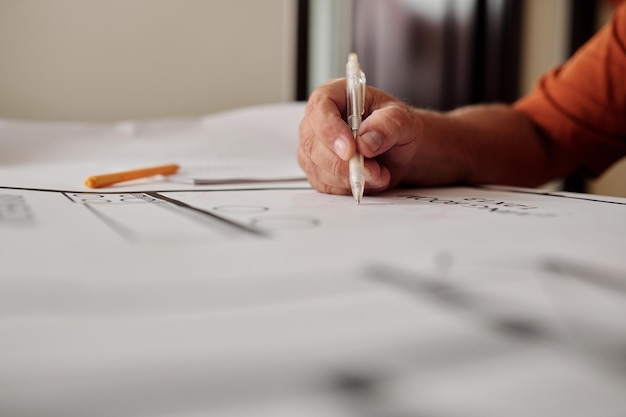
column 582, row 103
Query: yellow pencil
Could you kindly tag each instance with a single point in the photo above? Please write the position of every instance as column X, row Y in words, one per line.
column 104, row 180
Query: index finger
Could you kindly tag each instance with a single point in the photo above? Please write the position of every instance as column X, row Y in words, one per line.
column 324, row 113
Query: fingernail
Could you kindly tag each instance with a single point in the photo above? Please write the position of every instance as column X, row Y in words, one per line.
column 372, row 140
column 340, row 147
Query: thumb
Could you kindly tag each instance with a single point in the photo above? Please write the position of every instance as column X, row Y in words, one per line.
column 386, row 127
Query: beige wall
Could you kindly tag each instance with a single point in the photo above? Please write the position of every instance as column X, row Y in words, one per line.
column 544, row 39
column 124, row 59
column 105, row 60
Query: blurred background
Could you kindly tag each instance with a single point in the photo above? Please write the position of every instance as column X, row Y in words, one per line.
column 97, row 60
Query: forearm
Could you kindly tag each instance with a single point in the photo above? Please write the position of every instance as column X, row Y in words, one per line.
column 500, row 146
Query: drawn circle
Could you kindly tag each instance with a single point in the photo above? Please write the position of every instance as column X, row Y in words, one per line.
column 88, row 198
column 285, row 222
column 236, row 209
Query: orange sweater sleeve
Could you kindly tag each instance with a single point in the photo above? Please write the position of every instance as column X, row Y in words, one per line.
column 581, row 105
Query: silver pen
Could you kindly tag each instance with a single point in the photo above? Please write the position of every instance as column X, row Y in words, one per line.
column 355, row 88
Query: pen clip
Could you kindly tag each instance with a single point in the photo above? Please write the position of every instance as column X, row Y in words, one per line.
column 355, row 88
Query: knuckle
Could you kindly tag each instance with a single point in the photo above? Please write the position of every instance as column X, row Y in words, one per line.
column 311, row 103
column 325, row 188
column 307, row 139
column 336, row 166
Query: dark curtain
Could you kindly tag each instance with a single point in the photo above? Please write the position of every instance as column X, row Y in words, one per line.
column 440, row 54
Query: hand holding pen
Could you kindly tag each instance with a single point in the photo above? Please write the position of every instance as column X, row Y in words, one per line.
column 389, row 135
column 355, row 94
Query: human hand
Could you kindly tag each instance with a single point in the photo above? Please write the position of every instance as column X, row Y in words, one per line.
column 326, row 141
column 390, row 138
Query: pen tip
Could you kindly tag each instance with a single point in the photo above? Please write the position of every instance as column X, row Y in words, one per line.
column 357, row 191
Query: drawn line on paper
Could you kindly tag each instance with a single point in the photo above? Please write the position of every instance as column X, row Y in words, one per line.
column 118, row 227
column 174, row 190
column 243, row 227
column 241, row 209
column 481, row 203
column 270, row 222
column 507, row 323
column 119, row 198
column 611, row 280
column 518, row 327
column 284, row 222
column 603, row 338
column 549, row 194
column 15, row 210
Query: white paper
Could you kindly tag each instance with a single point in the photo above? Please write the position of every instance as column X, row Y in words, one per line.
column 61, row 156
column 271, row 299
column 239, row 171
